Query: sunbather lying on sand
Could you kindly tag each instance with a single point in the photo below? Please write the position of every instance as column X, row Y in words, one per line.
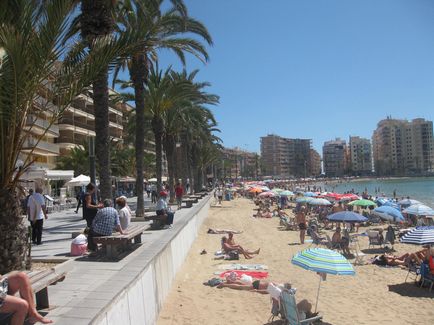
column 222, row 231
column 263, row 287
column 226, row 247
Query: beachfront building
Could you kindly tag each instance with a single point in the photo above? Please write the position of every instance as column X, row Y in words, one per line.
column 360, row 157
column 314, row 163
column 236, row 163
column 402, row 147
column 285, row 158
column 335, row 157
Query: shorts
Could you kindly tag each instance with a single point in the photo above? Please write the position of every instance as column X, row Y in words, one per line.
column 255, row 284
column 302, row 226
column 3, row 290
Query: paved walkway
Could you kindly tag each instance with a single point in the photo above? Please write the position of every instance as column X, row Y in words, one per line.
column 56, row 237
column 90, row 286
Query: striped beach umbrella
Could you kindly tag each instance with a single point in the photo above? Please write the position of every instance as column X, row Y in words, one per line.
column 419, row 210
column 323, row 261
column 419, row 236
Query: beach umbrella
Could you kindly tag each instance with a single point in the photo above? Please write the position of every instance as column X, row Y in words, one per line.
column 303, row 199
column 419, row 236
column 80, row 180
column 287, row 193
column 381, row 200
column 255, row 190
column 319, row 202
column 389, row 213
column 419, row 210
column 324, row 261
column 408, row 202
column 265, row 188
column 347, row 216
column 267, row 194
column 349, row 197
column 277, row 190
column 311, row 194
column 362, row 203
column 391, row 204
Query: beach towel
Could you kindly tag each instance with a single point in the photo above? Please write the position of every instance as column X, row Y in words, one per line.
column 251, row 267
column 253, row 274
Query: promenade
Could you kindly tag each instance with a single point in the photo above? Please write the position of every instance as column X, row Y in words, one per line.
column 99, row 292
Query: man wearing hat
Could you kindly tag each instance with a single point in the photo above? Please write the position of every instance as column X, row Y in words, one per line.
column 163, row 210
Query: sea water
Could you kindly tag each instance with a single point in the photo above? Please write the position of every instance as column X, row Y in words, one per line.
column 418, row 188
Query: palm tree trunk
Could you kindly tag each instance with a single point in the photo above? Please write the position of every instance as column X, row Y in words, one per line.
column 13, row 232
column 157, row 128
column 97, row 20
column 138, row 74
column 102, row 135
column 169, row 147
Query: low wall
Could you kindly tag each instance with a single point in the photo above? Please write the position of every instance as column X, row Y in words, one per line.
column 140, row 301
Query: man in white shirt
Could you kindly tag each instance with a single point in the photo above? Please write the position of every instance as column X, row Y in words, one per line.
column 36, row 210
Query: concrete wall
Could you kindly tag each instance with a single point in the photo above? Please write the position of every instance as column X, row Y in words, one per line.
column 140, row 302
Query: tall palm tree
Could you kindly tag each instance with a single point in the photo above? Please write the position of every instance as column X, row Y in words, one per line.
column 161, row 30
column 31, row 48
column 179, row 117
column 97, row 20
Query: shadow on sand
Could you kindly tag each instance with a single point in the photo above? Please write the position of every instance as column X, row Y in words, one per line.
column 409, row 289
column 280, row 322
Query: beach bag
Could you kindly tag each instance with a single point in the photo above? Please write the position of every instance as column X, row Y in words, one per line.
column 79, row 245
column 233, row 255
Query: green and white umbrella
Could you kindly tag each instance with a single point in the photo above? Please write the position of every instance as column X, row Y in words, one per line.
column 323, row 261
column 363, row 203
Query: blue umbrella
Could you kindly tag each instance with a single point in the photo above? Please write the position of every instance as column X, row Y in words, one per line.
column 311, row 194
column 347, row 216
column 303, row 199
column 391, row 204
column 419, row 236
column 388, row 213
column 419, row 210
column 381, row 200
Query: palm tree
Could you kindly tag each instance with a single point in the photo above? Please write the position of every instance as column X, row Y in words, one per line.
column 179, row 117
column 76, row 160
column 30, row 51
column 161, row 30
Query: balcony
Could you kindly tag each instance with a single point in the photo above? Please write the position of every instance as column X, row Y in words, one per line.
column 39, row 126
column 43, row 104
column 41, row 147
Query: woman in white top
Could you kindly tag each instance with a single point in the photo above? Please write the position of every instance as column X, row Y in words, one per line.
column 124, row 212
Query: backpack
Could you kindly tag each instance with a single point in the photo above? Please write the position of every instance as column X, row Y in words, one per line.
column 233, row 255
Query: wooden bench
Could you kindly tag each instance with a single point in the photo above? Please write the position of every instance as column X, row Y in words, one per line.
column 117, row 243
column 39, row 280
column 188, row 202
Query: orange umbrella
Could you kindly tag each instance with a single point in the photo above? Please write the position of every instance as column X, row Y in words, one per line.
column 255, row 190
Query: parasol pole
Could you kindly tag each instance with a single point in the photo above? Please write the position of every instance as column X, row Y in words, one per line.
column 317, row 295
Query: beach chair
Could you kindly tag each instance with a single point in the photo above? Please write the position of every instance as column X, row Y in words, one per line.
column 317, row 240
column 413, row 268
column 426, row 276
column 289, row 311
column 374, row 238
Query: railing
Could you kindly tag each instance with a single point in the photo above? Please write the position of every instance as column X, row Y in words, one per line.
column 33, row 121
column 72, row 122
column 31, row 143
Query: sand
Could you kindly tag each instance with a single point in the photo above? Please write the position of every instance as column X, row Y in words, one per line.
column 375, row 295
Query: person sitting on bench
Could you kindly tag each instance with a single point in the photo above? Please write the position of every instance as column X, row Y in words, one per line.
column 163, row 211
column 106, row 220
column 20, row 307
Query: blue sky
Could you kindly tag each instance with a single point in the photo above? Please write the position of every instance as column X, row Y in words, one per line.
column 315, row 69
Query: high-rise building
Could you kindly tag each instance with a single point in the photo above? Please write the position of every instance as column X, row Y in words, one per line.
column 314, row 163
column 402, row 147
column 237, row 163
column 283, row 157
column 360, row 162
column 335, row 157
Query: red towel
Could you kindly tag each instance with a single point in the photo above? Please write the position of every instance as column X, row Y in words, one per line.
column 239, row 273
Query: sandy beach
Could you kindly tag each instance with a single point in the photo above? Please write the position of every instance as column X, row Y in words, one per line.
column 375, row 295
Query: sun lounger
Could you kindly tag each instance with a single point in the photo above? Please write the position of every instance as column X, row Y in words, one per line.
column 413, row 268
column 289, row 312
column 426, row 276
column 317, row 240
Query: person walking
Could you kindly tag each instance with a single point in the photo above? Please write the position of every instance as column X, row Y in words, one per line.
column 301, row 221
column 154, row 193
column 179, row 192
column 90, row 208
column 79, row 199
column 36, row 210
